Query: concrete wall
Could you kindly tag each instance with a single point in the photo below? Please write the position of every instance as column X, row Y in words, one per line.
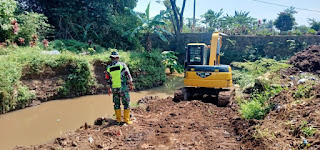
column 239, row 48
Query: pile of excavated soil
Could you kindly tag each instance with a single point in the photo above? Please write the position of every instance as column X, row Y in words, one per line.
column 283, row 127
column 157, row 124
column 308, row 60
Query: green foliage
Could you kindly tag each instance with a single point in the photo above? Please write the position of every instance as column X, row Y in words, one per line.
column 244, row 73
column 103, row 22
column 148, row 26
column 213, row 19
column 252, row 109
column 74, row 46
column 301, row 30
column 7, row 9
column 258, row 104
column 79, row 81
column 169, row 60
column 312, row 31
column 307, row 130
column 276, row 50
column 27, row 24
column 303, row 91
column 147, row 69
column 285, row 21
column 24, row 97
column 315, row 25
column 239, row 23
column 32, row 23
column 264, row 32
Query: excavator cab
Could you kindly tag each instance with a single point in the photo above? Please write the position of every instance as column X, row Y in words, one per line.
column 204, row 75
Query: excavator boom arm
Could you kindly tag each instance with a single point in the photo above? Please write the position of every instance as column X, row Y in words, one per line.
column 216, row 43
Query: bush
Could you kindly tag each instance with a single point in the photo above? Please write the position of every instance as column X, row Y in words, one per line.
column 258, row 104
column 312, row 31
column 148, row 70
column 32, row 23
column 303, row 91
column 252, row 109
column 15, row 24
column 74, row 46
column 7, row 9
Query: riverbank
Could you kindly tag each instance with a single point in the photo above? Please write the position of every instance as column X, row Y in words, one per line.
column 30, row 76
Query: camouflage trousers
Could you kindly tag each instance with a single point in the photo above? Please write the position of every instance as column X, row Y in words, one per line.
column 121, row 96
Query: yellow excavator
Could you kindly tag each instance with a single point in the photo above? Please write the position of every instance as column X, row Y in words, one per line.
column 204, row 75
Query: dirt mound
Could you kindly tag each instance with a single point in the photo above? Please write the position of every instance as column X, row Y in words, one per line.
column 308, row 60
column 294, row 123
column 158, row 124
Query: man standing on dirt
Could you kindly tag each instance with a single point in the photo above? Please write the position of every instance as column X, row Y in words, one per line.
column 119, row 82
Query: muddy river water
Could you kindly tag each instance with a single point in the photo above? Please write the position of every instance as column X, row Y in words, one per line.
column 41, row 124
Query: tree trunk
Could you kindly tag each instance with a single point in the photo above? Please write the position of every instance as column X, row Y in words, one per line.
column 149, row 44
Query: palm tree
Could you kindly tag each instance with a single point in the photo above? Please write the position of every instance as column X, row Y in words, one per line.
column 149, row 26
column 212, row 18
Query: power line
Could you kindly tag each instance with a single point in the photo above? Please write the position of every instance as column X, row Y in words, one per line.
column 286, row 6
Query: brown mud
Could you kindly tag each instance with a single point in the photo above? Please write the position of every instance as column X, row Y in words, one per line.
column 158, row 124
column 308, row 60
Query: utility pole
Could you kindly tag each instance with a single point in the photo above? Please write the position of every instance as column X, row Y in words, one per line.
column 194, row 16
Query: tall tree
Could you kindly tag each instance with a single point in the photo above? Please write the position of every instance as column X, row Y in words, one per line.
column 99, row 20
column 285, row 20
column 315, row 25
column 212, row 18
column 176, row 14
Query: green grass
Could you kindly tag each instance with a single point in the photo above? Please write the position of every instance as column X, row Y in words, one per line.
column 303, row 91
column 245, row 73
column 258, row 105
column 146, row 68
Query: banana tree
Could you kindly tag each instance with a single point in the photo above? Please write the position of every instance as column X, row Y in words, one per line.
column 148, row 26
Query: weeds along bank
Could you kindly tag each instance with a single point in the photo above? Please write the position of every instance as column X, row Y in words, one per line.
column 280, row 102
column 27, row 74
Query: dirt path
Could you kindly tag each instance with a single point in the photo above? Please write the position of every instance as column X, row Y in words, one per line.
column 158, row 124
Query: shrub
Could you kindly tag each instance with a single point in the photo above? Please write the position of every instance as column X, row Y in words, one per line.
column 7, row 9
column 258, row 104
column 312, row 31
column 252, row 109
column 32, row 23
column 80, row 80
column 74, row 46
column 148, row 70
column 303, row 91
column 170, row 61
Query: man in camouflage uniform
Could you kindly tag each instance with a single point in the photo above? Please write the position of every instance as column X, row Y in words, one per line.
column 119, row 82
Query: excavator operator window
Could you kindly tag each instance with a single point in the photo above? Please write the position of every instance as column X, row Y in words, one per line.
column 195, row 54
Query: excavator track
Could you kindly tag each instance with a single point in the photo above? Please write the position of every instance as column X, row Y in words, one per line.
column 221, row 97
